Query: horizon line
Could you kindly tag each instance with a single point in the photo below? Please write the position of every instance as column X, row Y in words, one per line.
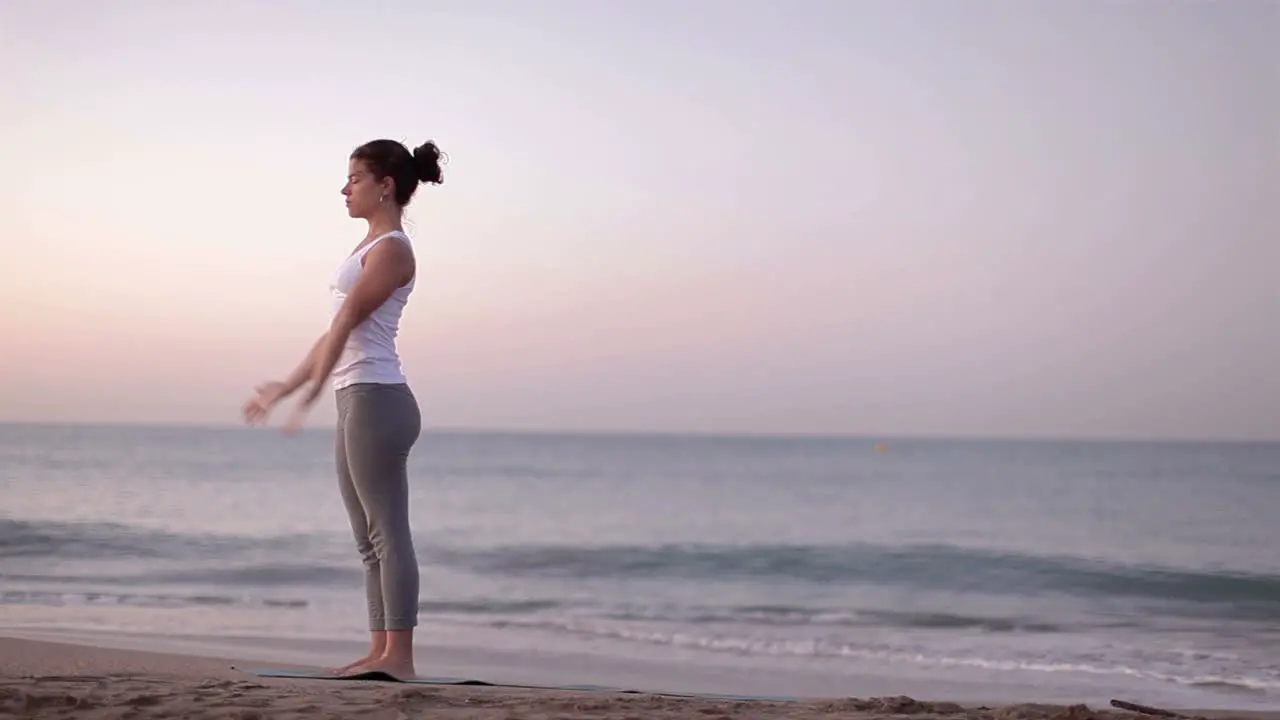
column 689, row 434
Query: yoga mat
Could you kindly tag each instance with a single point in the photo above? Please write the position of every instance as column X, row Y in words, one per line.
column 379, row 676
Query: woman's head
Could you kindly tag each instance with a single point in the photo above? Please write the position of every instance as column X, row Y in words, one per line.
column 381, row 172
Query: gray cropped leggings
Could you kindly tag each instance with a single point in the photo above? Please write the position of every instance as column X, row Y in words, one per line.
column 377, row 426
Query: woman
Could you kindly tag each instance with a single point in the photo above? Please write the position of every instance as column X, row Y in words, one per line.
column 378, row 416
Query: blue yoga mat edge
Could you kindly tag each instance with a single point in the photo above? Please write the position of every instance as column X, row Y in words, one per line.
column 436, row 680
column 443, row 680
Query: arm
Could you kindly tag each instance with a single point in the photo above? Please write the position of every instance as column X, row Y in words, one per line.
column 386, row 267
column 303, row 371
column 268, row 394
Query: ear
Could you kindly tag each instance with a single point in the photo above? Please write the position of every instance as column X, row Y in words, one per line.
column 388, row 186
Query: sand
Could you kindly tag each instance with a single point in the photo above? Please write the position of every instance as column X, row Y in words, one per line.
column 41, row 679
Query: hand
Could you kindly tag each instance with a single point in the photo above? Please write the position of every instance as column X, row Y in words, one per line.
column 265, row 397
column 299, row 415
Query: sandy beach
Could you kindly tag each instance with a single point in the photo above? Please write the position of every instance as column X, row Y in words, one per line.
column 40, row 679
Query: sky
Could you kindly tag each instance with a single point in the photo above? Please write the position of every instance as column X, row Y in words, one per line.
column 1019, row 218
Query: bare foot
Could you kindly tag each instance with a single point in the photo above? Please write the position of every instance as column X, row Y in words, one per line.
column 398, row 669
column 352, row 665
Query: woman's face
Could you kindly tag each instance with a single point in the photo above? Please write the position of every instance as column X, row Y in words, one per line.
column 363, row 191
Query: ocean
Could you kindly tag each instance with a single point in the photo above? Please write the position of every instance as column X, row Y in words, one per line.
column 1057, row 570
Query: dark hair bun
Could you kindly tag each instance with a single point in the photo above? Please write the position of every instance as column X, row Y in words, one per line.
column 427, row 158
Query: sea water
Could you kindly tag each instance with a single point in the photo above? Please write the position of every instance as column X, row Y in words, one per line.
column 1152, row 569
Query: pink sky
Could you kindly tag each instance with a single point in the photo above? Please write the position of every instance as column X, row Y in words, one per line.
column 1012, row 218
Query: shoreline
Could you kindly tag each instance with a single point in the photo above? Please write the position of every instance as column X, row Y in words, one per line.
column 532, row 659
column 41, row 676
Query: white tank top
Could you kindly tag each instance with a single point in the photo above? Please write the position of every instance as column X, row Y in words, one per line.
column 370, row 354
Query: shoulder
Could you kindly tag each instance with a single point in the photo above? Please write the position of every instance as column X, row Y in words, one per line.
column 391, row 257
column 394, row 247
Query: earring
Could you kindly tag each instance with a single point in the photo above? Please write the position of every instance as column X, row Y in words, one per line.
column 382, row 198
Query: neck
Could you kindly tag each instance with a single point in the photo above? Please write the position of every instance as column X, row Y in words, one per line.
column 384, row 222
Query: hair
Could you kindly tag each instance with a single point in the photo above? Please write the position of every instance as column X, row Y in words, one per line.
column 391, row 158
